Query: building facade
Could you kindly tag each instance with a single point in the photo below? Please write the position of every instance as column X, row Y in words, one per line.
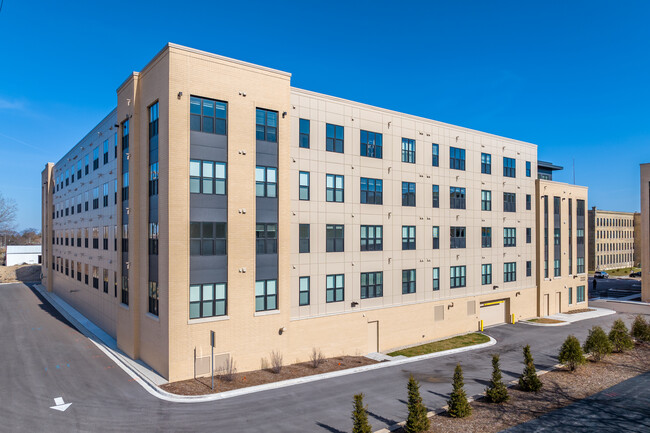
column 611, row 239
column 284, row 220
column 23, row 254
column 645, row 232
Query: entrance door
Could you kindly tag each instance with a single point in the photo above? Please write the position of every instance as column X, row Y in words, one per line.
column 558, row 302
column 373, row 337
column 546, row 305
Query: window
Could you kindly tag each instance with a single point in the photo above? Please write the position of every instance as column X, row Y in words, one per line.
column 509, row 237
column 456, row 198
column 125, row 289
column 303, row 291
column 581, row 265
column 105, row 151
column 457, row 237
column 114, row 195
column 408, row 150
column 334, row 188
column 105, row 238
column 509, row 272
column 105, row 195
column 486, row 163
column 96, row 238
column 334, row 138
column 509, row 167
column 408, row 281
column 266, row 238
column 125, row 238
column 436, row 279
column 435, row 155
column 79, row 173
column 570, row 295
column 303, row 139
column 371, row 191
column 153, row 298
column 266, row 295
column 408, row 194
column 335, row 237
column 153, row 238
column 125, row 187
column 509, row 202
column 266, row 182
column 486, row 274
column 529, row 268
column 456, row 158
column 372, row 285
column 371, row 238
column 435, row 196
column 335, row 287
column 527, row 168
column 207, row 177
column 303, row 189
column 408, row 237
column 457, row 277
column 486, row 237
column 436, row 237
column 486, row 200
column 86, row 164
column 207, row 300
column 303, row 235
column 95, row 277
column 96, row 158
column 528, row 202
column 105, row 286
column 207, row 238
column 371, row 144
column 580, row 296
column 96, row 198
column 207, row 115
column 529, row 235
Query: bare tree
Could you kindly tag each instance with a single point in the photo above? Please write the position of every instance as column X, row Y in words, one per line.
column 7, row 214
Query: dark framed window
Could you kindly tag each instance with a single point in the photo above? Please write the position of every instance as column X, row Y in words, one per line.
column 266, row 238
column 456, row 197
column 408, row 150
column 457, row 237
column 371, row 191
column 105, row 238
column 408, row 281
column 372, row 285
column 509, row 236
column 96, row 238
column 457, row 277
column 580, row 264
column 266, row 295
column 303, row 291
column 529, row 269
column 125, row 187
column 509, row 272
column 528, row 169
column 435, row 155
column 207, row 177
column 509, row 167
column 105, row 152
column 79, row 171
column 207, row 238
column 486, row 163
column 303, row 185
column 86, row 164
column 266, row 181
column 580, row 295
column 509, row 202
column 208, row 115
column 114, row 195
column 303, row 139
column 528, row 202
column 435, row 230
column 95, row 277
column 335, row 288
column 334, row 188
column 435, row 196
column 303, row 238
column 334, row 238
column 105, row 195
column 486, row 200
column 266, row 125
column 436, row 279
column 334, row 138
column 486, row 274
column 208, row 300
column 96, row 158
column 96, row 198
column 570, row 295
column 124, row 298
column 105, row 285
column 556, row 267
column 371, row 238
column 408, row 237
column 371, row 144
column 408, row 194
column 456, row 158
column 529, row 235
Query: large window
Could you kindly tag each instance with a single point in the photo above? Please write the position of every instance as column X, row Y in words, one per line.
column 266, row 295
column 486, row 237
column 509, row 167
column 436, row 279
column 266, row 124
column 207, row 115
column 509, row 236
column 509, row 202
column 529, row 235
column 303, row 291
column 486, row 200
column 580, row 263
column 96, row 158
column 486, row 163
column 266, row 238
column 408, row 194
column 334, row 138
column 371, row 238
column 96, row 198
column 304, row 133
column 372, row 284
column 456, row 158
column 408, row 281
column 371, row 191
column 334, row 188
column 105, row 238
column 486, row 274
column 153, row 298
column 580, row 295
column 408, row 237
column 528, row 202
column 435, row 155
column 527, row 168
column 266, row 181
column 303, row 238
column 509, row 272
column 96, row 238
column 570, row 295
column 435, row 230
column 334, row 238
column 371, row 144
column 408, row 150
column 457, row 237
column 457, row 276
column 207, row 238
column 303, row 185
column 435, row 196
column 335, row 287
column 207, row 300
column 105, row 154
column 207, row 177
column 529, row 268
column 456, row 197
column 105, row 195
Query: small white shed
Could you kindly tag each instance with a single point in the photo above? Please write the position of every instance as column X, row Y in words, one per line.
column 19, row 254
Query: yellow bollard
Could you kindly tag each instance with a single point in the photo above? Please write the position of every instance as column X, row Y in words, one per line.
column 513, row 318
column 481, row 326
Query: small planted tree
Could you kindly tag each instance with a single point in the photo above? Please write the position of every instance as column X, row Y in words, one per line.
column 497, row 391
column 571, row 353
column 417, row 420
column 458, row 405
column 360, row 416
column 620, row 336
column 598, row 344
column 640, row 329
column 529, row 381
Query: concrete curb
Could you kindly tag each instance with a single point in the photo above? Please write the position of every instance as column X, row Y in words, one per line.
column 621, row 300
column 567, row 319
column 526, row 322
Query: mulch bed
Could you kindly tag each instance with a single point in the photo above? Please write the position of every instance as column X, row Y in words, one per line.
column 545, row 320
column 200, row 386
column 582, row 310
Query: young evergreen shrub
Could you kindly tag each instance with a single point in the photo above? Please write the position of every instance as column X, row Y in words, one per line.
column 417, row 420
column 497, row 391
column 458, row 405
column 360, row 422
column 529, row 381
column 620, row 336
column 640, row 329
column 571, row 353
column 598, row 344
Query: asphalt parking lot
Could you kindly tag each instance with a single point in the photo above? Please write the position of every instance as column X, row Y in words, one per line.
column 614, row 287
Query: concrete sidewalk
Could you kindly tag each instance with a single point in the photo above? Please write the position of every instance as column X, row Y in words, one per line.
column 566, row 319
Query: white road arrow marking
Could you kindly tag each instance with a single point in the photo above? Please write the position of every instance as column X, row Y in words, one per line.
column 60, row 405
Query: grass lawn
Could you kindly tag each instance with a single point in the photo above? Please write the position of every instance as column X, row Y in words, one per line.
column 438, row 346
column 545, row 320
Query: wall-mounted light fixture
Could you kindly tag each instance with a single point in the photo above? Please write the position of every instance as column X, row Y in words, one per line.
column 180, row 94
column 284, row 114
column 354, row 304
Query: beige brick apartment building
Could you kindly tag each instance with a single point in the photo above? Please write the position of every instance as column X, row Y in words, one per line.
column 283, row 220
column 645, row 232
column 611, row 239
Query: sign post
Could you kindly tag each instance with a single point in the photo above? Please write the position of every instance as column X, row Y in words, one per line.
column 212, row 357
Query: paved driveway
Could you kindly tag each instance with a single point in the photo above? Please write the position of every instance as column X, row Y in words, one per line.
column 43, row 357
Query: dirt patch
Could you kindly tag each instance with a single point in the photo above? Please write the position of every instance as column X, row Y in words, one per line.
column 545, row 320
column 27, row 273
column 581, row 310
column 446, row 344
column 201, row 385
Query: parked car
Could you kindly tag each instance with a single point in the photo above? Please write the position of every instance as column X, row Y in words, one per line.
column 636, row 274
column 601, row 274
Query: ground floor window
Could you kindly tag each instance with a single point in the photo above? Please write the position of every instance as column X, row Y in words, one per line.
column 207, row 300
column 153, row 297
column 580, row 296
column 266, row 295
column 303, row 293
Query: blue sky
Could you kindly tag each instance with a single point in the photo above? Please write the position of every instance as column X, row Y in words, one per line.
column 569, row 76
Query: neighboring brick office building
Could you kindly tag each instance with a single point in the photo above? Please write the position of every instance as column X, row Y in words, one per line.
column 645, row 232
column 611, row 239
column 372, row 229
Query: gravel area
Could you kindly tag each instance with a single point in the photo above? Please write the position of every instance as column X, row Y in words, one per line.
column 27, row 273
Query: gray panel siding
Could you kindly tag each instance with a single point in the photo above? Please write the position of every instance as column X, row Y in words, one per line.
column 267, row 154
column 266, row 266
column 206, row 207
column 210, row 147
column 267, row 210
column 153, row 268
column 208, row 269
